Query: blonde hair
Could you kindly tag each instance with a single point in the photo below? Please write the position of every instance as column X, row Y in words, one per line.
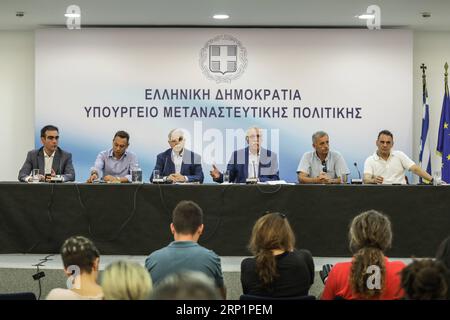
column 124, row 280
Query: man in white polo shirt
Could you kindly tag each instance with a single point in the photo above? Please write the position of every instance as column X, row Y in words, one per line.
column 388, row 167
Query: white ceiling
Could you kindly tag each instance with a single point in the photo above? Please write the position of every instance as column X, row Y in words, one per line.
column 290, row 13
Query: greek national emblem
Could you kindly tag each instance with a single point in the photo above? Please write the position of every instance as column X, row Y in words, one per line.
column 223, row 59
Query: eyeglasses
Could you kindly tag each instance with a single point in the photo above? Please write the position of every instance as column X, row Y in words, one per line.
column 52, row 137
column 324, row 166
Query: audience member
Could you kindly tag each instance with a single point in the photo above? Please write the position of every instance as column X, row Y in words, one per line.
column 277, row 268
column 370, row 275
column 185, row 254
column 81, row 264
column 124, row 280
column 425, row 280
column 188, row 285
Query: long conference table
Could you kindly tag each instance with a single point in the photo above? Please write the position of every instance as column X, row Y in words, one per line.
column 134, row 219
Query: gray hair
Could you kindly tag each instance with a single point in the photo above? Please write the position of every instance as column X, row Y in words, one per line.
column 317, row 135
column 188, row 285
column 258, row 130
column 175, row 130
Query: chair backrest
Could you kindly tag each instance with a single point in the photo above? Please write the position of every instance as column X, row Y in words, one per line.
column 252, row 297
column 18, row 296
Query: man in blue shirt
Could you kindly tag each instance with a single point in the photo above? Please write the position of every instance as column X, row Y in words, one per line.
column 185, row 254
column 115, row 164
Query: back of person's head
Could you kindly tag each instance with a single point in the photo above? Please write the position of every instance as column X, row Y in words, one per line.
column 81, row 252
column 443, row 253
column 187, row 217
column 370, row 236
column 270, row 232
column 425, row 280
column 189, row 285
column 125, row 280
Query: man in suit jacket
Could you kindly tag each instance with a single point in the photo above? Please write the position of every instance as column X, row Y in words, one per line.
column 251, row 162
column 49, row 159
column 179, row 164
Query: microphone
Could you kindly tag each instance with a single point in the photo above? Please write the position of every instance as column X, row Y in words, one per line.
column 357, row 181
column 356, row 165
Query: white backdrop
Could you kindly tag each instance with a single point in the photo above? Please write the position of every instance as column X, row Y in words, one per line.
column 368, row 73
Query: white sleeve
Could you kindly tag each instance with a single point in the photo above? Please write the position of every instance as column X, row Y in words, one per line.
column 304, row 166
column 407, row 163
column 368, row 166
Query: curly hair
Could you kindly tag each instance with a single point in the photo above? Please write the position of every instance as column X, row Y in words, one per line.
column 79, row 251
column 425, row 280
column 370, row 236
column 270, row 232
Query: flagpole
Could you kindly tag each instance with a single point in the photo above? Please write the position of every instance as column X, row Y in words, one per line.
column 446, row 78
column 424, row 81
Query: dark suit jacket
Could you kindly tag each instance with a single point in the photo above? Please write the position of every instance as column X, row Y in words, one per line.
column 191, row 166
column 62, row 164
column 238, row 166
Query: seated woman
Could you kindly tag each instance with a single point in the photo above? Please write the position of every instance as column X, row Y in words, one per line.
column 81, row 262
column 125, row 280
column 278, row 270
column 370, row 275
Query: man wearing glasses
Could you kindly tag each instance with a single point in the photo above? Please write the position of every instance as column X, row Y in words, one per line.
column 322, row 165
column 253, row 162
column 178, row 164
column 49, row 159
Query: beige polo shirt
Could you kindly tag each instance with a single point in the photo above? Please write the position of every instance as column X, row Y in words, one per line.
column 392, row 170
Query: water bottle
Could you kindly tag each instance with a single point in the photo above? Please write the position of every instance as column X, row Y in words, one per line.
column 136, row 174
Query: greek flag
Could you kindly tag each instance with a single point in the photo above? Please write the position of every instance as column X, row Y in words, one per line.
column 425, row 150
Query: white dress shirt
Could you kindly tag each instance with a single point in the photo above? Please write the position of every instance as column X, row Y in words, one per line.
column 177, row 160
column 48, row 162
